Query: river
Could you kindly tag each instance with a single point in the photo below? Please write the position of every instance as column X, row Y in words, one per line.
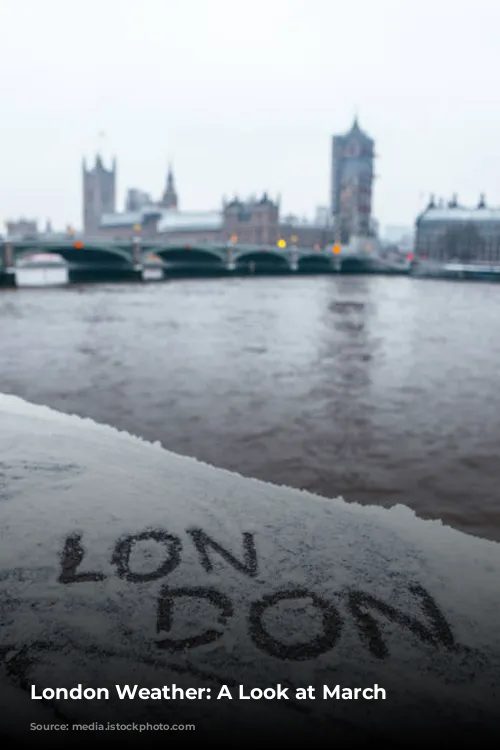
column 384, row 390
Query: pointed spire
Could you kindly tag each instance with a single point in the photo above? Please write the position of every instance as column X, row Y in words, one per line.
column 355, row 122
column 170, row 177
column 169, row 198
column 482, row 201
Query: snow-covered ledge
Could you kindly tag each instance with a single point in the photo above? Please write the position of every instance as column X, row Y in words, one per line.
column 124, row 564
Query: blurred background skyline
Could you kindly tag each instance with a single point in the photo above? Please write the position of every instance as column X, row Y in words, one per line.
column 243, row 99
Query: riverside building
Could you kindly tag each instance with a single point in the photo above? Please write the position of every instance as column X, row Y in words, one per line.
column 455, row 234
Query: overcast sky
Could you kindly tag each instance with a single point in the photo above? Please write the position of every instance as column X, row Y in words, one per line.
column 244, row 97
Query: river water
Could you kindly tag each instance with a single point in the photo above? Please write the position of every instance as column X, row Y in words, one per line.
column 385, row 390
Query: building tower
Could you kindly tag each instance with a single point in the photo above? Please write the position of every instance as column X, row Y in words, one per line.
column 352, row 180
column 169, row 197
column 99, row 193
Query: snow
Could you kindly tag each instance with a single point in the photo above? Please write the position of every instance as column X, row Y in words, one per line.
column 62, row 476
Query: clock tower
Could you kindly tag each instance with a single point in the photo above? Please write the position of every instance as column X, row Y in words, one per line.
column 352, row 182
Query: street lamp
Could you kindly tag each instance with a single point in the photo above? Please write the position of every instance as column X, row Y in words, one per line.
column 281, row 244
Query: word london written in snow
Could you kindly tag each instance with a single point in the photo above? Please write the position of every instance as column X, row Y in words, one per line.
column 172, row 585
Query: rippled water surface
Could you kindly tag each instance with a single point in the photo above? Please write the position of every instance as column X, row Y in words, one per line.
column 384, row 390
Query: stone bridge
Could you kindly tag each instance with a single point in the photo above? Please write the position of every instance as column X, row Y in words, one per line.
column 90, row 260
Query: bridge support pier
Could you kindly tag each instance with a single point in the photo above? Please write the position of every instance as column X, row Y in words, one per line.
column 7, row 271
column 98, row 275
column 7, row 279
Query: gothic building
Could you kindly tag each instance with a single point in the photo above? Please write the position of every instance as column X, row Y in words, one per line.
column 99, row 194
column 255, row 221
column 352, row 181
column 137, row 200
column 169, row 197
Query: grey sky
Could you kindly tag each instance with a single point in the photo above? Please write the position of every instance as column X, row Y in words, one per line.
column 243, row 97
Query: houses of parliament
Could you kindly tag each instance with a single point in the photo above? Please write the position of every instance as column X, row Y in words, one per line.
column 256, row 220
column 253, row 221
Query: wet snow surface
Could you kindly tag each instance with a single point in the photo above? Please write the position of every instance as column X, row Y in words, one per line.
column 122, row 563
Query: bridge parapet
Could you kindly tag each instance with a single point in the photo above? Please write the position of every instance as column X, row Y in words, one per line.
column 130, row 256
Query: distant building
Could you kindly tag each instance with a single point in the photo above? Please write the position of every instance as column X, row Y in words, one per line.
column 396, row 234
column 312, row 234
column 99, row 194
column 192, row 227
column 136, row 200
column 22, row 228
column 323, row 216
column 352, row 182
column 454, row 233
column 169, row 198
column 125, row 225
column 100, row 217
column 253, row 222
column 246, row 222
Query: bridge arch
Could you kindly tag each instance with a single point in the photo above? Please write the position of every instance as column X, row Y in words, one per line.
column 314, row 263
column 187, row 260
column 188, row 254
column 87, row 254
column 262, row 261
column 354, row 265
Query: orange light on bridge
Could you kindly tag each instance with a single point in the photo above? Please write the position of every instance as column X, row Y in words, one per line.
column 336, row 249
column 79, row 245
column 281, row 244
column 294, row 239
column 234, row 239
column 187, row 247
